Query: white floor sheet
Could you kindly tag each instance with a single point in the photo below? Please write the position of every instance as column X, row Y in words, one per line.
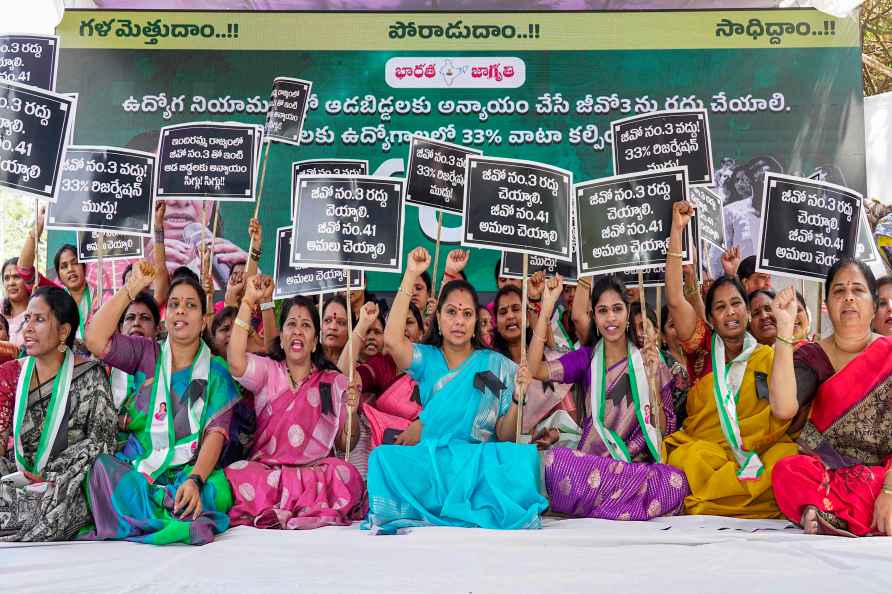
column 686, row 555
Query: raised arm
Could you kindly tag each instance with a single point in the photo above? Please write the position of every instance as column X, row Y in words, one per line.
column 506, row 425
column 161, row 286
column 368, row 313
column 27, row 257
column 682, row 312
column 268, row 314
column 692, row 291
column 236, row 352
column 581, row 312
column 536, row 353
column 256, row 234
column 782, row 381
column 395, row 341
column 455, row 263
column 105, row 322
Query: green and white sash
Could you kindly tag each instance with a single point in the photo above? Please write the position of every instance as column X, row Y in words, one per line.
column 616, row 447
column 166, row 450
column 726, row 380
column 562, row 340
column 121, row 386
column 83, row 309
column 52, row 423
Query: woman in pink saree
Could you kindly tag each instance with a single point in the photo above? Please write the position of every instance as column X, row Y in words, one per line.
column 290, row 480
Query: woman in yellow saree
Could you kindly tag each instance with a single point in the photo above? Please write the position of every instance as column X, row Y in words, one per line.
column 730, row 441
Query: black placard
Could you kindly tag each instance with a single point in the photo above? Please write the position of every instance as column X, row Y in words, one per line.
column 295, row 280
column 116, row 246
column 351, row 221
column 518, row 206
column 807, row 225
column 326, row 167
column 512, row 267
column 664, row 139
column 710, row 216
column 287, row 111
column 33, row 128
column 29, row 59
column 437, row 174
column 207, row 160
column 624, row 221
column 104, row 189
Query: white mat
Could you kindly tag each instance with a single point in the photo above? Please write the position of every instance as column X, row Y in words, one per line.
column 686, row 555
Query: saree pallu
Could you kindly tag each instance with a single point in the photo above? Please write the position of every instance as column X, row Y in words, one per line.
column 290, row 480
column 128, row 505
column 88, row 430
column 702, row 452
column 847, row 445
column 456, row 475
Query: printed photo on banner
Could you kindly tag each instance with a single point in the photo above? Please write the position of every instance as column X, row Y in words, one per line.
column 295, row 280
column 208, row 161
column 287, row 110
column 623, row 221
column 114, row 246
column 29, row 59
column 35, row 125
column 662, row 140
column 516, row 205
column 807, row 226
column 436, row 174
column 325, row 167
column 350, row 221
column 104, row 189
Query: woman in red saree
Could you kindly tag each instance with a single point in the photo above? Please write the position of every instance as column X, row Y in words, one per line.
column 841, row 482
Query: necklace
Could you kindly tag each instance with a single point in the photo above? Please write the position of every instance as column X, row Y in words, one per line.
column 295, row 384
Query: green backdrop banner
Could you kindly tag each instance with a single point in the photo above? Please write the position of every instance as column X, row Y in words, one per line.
column 781, row 87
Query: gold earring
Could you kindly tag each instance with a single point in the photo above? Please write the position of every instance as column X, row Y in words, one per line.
column 62, row 346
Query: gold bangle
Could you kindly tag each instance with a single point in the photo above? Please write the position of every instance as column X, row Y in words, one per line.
column 887, row 491
column 405, row 292
column 674, row 254
column 788, row 341
column 544, row 339
column 242, row 324
column 129, row 294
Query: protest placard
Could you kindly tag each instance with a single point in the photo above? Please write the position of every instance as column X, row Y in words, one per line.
column 287, row 111
column 710, row 217
column 512, row 267
column 624, row 221
column 115, row 246
column 34, row 125
column 436, row 175
column 104, row 189
column 29, row 59
column 518, row 206
column 208, row 161
column 296, row 280
column 351, row 221
column 326, row 167
column 807, row 225
column 664, row 139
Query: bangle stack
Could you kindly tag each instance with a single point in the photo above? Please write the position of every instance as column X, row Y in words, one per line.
column 405, row 292
column 242, row 324
column 255, row 254
column 672, row 254
column 788, row 341
column 268, row 306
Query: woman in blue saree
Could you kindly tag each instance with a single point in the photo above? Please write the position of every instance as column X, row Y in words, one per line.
column 446, row 469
